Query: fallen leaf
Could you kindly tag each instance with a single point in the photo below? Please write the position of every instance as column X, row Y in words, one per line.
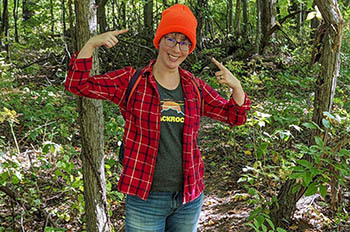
column 295, row 227
column 247, row 152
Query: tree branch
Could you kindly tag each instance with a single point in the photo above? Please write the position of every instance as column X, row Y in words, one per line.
column 277, row 26
column 25, row 206
column 138, row 45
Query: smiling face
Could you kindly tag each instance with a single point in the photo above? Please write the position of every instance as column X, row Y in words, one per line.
column 172, row 57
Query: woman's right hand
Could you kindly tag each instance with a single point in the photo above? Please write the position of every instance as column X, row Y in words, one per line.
column 107, row 39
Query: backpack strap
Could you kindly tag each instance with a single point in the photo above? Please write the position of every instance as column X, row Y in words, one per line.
column 199, row 93
column 135, row 79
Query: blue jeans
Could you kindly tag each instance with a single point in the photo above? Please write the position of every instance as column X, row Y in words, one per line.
column 162, row 211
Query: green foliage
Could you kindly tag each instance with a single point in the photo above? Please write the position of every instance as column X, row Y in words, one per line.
column 313, row 166
column 49, row 118
column 262, row 223
column 315, row 172
column 39, row 138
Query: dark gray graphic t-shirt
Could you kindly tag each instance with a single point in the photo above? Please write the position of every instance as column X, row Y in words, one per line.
column 168, row 175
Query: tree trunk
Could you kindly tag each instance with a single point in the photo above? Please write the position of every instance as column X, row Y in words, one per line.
column 63, row 5
column 325, row 89
column 237, row 17
column 199, row 12
column 15, row 17
column 148, row 22
column 74, row 46
column 266, row 16
column 101, row 15
column 265, row 40
column 4, row 18
column 52, row 18
column 122, row 12
column 114, row 14
column 258, row 27
column 245, row 19
column 294, row 7
column 278, row 10
column 230, row 16
column 0, row 15
column 27, row 13
column 314, row 25
column 5, row 28
column 297, row 6
column 91, row 129
column 330, row 58
column 267, row 21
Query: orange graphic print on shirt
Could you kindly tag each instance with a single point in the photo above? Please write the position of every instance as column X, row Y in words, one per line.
column 172, row 111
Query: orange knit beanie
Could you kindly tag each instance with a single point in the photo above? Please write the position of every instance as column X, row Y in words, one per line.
column 178, row 18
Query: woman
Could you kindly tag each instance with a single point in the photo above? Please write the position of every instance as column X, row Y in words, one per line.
column 163, row 169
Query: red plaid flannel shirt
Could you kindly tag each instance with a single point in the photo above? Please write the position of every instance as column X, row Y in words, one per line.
column 142, row 121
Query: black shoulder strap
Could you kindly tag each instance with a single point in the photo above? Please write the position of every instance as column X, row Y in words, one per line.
column 199, row 93
column 131, row 85
column 197, row 86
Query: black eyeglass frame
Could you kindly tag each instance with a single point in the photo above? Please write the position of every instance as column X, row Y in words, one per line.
column 174, row 42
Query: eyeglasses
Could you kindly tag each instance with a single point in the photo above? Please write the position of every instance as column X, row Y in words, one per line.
column 184, row 46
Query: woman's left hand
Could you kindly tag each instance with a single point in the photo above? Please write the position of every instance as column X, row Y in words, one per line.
column 224, row 76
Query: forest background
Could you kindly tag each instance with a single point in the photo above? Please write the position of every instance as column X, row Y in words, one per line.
column 285, row 170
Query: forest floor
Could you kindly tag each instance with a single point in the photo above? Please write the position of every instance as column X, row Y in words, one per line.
column 225, row 206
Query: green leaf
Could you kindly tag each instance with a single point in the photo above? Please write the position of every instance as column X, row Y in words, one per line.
column 318, row 141
column 315, row 171
column 329, row 115
column 256, row 224
column 298, row 128
column 4, row 177
column 252, row 191
column 260, row 220
column 312, row 189
column 298, row 169
column 307, row 178
column 46, row 148
column 304, row 163
column 60, row 164
column 296, row 175
column 253, row 226
column 51, row 229
column 254, row 213
column 309, row 125
column 271, row 224
column 326, row 123
column 296, row 188
column 323, row 190
column 17, row 177
column 279, row 229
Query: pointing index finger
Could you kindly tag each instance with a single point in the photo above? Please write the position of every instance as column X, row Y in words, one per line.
column 118, row 32
column 217, row 63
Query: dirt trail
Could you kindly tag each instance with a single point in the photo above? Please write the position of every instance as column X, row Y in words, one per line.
column 222, row 209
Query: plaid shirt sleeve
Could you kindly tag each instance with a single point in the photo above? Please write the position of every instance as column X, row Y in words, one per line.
column 218, row 108
column 109, row 86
